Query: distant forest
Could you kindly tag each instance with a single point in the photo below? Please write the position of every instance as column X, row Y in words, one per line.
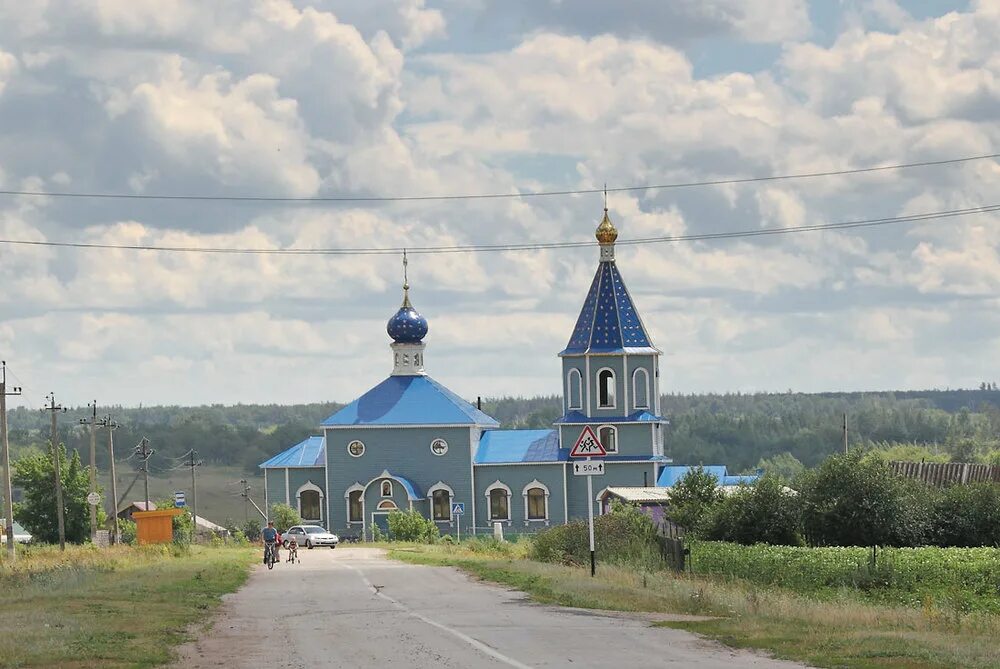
column 743, row 431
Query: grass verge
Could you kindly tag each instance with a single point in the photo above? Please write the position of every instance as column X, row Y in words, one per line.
column 841, row 632
column 121, row 607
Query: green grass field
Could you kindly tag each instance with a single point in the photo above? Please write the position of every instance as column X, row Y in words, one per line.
column 124, row 607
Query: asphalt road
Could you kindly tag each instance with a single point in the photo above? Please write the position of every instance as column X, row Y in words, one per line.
column 352, row 607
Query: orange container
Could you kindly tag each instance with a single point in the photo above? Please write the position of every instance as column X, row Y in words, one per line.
column 155, row 527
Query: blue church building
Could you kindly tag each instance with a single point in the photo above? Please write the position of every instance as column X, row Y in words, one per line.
column 410, row 443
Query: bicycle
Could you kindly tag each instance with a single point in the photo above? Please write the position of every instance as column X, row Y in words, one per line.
column 270, row 554
column 293, row 553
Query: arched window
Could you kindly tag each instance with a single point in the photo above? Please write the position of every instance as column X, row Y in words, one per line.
column 498, row 496
column 386, row 488
column 608, row 436
column 441, row 503
column 640, row 388
column 310, row 501
column 606, row 389
column 355, row 509
column 574, row 389
column 536, row 501
column 387, row 505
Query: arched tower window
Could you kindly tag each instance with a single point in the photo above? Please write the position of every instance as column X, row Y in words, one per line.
column 640, row 388
column 608, row 437
column 574, row 389
column 606, row 389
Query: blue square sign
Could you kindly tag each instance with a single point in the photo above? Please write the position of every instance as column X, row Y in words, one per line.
column 458, row 509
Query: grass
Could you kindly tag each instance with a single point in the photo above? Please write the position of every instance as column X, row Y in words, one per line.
column 120, row 607
column 841, row 632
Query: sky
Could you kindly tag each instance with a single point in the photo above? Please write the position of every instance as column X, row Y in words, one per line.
column 300, row 98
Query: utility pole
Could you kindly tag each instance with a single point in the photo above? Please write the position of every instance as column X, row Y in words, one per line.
column 845, row 433
column 55, row 409
column 194, row 490
column 112, row 426
column 246, row 496
column 92, row 422
column 8, row 491
column 144, row 452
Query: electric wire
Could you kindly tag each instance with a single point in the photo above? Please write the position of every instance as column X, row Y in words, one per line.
column 527, row 246
column 490, row 196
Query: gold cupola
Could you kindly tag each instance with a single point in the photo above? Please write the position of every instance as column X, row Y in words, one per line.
column 606, row 233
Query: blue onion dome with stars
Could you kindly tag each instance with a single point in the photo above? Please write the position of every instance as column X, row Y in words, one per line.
column 407, row 326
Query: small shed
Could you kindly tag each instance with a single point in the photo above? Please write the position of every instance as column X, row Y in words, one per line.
column 653, row 501
column 155, row 527
column 127, row 512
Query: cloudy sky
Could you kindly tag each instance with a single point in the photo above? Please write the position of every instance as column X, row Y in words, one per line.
column 300, row 98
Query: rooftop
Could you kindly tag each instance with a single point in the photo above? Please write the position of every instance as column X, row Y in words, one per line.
column 409, row 400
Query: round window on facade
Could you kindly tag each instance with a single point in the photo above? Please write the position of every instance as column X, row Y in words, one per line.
column 439, row 447
column 356, row 449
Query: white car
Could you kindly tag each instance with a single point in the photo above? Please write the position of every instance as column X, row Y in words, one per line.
column 310, row 536
column 21, row 535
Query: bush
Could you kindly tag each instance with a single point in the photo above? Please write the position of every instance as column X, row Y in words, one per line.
column 411, row 526
column 239, row 538
column 127, row 531
column 692, row 497
column 764, row 512
column 967, row 515
column 626, row 536
column 251, row 530
column 284, row 516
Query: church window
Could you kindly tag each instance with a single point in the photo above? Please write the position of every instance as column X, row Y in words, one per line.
column 606, row 389
column 574, row 389
column 640, row 388
column 386, row 488
column 608, row 437
column 442, row 505
column 498, row 496
column 439, row 447
column 536, row 501
column 309, row 505
column 355, row 514
column 356, row 448
column 387, row 505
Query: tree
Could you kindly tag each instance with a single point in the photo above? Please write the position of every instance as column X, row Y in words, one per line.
column 692, row 496
column 784, row 466
column 765, row 512
column 968, row 515
column 411, row 526
column 181, row 524
column 34, row 473
column 284, row 516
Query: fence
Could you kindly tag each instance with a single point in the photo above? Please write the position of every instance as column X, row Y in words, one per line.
column 946, row 473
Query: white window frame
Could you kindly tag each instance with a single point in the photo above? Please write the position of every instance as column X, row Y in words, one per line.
column 597, row 501
column 544, row 488
column 569, row 390
column 497, row 485
column 394, row 507
column 614, row 430
column 614, row 388
column 441, row 485
column 434, row 441
column 309, row 486
column 381, row 489
column 635, row 387
column 351, row 443
column 357, row 487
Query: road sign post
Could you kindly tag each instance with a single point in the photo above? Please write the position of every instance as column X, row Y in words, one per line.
column 589, row 446
column 93, row 499
column 179, row 499
column 458, row 510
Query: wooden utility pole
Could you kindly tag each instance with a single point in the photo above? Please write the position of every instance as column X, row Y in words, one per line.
column 144, row 453
column 845, row 433
column 194, row 490
column 92, row 422
column 55, row 409
column 246, row 496
column 8, row 492
column 112, row 426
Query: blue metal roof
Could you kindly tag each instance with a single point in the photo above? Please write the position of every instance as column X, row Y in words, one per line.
column 671, row 475
column 578, row 417
column 505, row 446
column 409, row 400
column 608, row 322
column 311, row 452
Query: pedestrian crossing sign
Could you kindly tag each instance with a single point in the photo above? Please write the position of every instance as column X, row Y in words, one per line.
column 458, row 509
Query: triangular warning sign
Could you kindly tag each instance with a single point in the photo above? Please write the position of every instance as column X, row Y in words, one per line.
column 588, row 445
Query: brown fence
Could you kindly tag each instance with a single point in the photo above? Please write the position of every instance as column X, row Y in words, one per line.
column 946, row 473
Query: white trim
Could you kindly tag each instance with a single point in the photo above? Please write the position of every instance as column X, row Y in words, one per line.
column 635, row 393
column 597, row 499
column 624, row 376
column 381, row 489
column 288, row 498
column 586, row 365
column 614, row 388
column 569, row 390
column 441, row 485
column 387, row 500
column 565, row 497
column 326, row 477
column 267, row 507
column 356, row 441
column 435, row 440
column 614, row 429
column 531, row 486
column 497, row 485
column 356, row 487
column 474, row 440
column 309, row 486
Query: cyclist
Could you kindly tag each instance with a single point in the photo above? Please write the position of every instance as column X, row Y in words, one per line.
column 270, row 536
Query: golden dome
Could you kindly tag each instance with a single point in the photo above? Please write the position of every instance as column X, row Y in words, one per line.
column 606, row 231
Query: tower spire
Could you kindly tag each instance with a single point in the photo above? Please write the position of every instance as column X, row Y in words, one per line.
column 406, row 282
column 606, row 234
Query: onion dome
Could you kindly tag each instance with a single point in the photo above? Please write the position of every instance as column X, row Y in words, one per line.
column 407, row 326
column 606, row 231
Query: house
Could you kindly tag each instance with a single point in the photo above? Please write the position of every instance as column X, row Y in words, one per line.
column 672, row 474
column 411, row 443
column 126, row 512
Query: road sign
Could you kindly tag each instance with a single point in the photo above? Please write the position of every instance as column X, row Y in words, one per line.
column 588, row 445
column 588, row 468
column 179, row 500
column 93, row 499
column 458, row 509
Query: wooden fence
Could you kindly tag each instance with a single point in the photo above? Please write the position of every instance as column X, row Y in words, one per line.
column 946, row 473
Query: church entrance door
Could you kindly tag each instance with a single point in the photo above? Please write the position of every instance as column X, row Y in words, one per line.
column 380, row 519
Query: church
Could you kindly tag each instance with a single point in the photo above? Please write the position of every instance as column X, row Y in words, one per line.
column 409, row 443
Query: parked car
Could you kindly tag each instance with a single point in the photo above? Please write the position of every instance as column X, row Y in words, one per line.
column 310, row 536
column 21, row 535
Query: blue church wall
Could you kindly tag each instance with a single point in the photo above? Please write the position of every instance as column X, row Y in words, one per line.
column 278, row 493
column 404, row 452
column 633, row 438
column 517, row 477
column 616, row 474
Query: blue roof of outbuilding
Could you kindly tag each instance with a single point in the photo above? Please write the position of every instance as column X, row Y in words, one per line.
column 505, row 446
column 608, row 322
column 409, row 400
column 574, row 417
column 671, row 475
column 310, row 452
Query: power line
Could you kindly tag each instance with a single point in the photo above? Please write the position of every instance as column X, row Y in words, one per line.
column 490, row 196
column 527, row 246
